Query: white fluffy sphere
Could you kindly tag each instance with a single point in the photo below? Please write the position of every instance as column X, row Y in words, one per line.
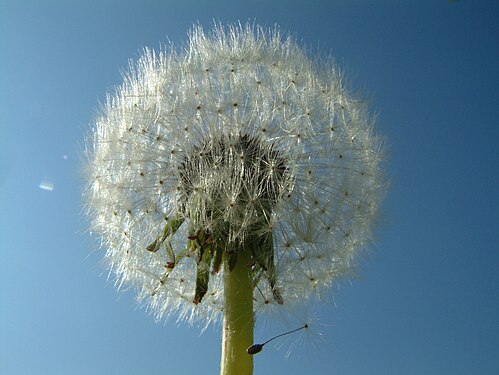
column 240, row 137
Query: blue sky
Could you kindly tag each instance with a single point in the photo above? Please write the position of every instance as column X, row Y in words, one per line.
column 426, row 298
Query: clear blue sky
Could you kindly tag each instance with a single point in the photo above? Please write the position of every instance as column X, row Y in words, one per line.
column 426, row 299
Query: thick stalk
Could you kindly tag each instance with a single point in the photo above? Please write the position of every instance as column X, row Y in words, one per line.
column 239, row 319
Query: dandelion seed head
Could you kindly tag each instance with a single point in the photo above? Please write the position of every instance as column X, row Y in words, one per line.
column 238, row 137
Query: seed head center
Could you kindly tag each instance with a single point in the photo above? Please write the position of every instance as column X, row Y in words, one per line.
column 231, row 182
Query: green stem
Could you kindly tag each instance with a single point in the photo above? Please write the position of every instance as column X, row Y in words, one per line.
column 239, row 319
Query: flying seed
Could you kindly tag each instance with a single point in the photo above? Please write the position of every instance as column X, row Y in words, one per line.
column 257, row 348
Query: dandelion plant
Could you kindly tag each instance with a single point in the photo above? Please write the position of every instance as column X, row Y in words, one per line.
column 232, row 178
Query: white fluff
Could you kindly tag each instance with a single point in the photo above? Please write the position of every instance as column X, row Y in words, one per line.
column 240, row 80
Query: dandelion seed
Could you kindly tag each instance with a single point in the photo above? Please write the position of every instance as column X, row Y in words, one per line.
column 257, row 348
